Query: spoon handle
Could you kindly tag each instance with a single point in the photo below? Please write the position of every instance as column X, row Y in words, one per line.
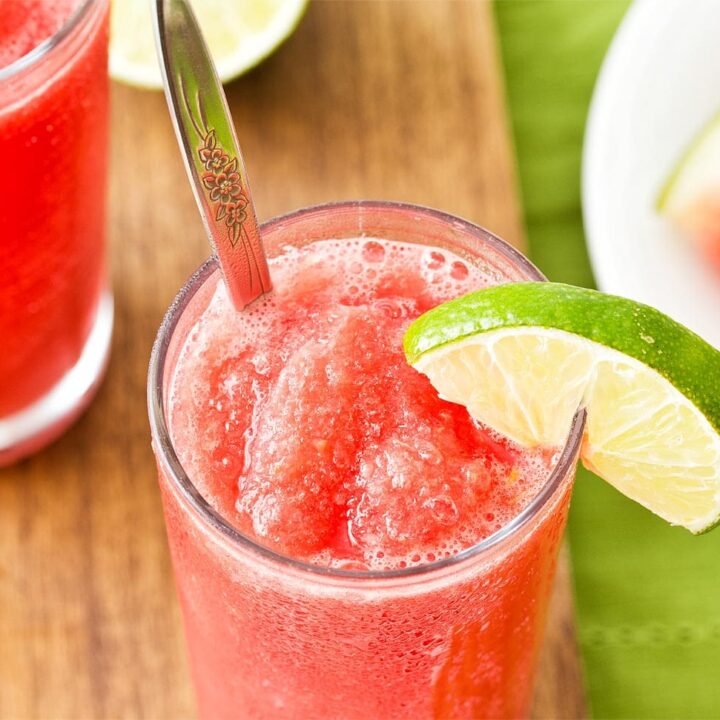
column 210, row 148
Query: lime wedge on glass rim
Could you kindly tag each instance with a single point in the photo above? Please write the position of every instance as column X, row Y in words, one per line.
column 239, row 33
column 523, row 358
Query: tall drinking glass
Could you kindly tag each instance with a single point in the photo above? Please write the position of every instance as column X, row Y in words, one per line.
column 55, row 307
column 272, row 636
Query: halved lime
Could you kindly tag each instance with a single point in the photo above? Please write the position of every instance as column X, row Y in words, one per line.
column 523, row 358
column 239, row 33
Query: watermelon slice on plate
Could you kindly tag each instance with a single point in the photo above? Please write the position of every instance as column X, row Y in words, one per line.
column 691, row 195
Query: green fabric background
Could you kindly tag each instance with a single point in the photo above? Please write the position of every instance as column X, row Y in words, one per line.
column 647, row 595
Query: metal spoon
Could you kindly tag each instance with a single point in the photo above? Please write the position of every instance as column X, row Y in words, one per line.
column 213, row 160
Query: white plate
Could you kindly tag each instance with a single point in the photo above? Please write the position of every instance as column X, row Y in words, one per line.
column 659, row 84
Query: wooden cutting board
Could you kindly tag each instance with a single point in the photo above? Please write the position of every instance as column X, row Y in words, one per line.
column 388, row 100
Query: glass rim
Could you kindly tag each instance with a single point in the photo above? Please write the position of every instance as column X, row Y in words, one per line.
column 181, row 481
column 49, row 44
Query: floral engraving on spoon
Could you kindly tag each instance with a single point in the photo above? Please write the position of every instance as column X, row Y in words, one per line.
column 227, row 198
column 223, row 185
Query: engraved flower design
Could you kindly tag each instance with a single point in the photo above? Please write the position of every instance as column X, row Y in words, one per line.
column 214, row 159
column 234, row 214
column 235, row 211
column 224, row 187
column 225, row 194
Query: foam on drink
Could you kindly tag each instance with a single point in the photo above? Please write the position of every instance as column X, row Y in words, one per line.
column 301, row 422
column 24, row 24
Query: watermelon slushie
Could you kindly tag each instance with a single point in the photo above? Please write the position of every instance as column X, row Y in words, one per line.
column 55, row 313
column 346, row 543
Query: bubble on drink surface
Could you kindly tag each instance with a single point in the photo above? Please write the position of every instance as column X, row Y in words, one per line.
column 433, row 259
column 459, row 270
column 373, row 252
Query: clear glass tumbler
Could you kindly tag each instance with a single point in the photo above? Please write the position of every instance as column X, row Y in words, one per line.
column 271, row 637
column 55, row 306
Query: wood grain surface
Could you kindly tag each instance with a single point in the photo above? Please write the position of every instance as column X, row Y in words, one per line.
column 390, row 100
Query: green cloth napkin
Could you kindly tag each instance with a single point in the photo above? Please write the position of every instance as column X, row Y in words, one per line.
column 647, row 595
